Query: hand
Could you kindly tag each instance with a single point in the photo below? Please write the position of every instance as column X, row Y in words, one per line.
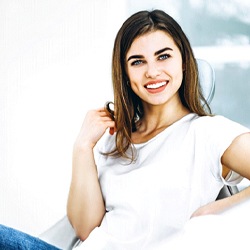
column 218, row 206
column 210, row 208
column 94, row 126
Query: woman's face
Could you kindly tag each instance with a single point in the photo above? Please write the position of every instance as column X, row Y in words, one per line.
column 154, row 67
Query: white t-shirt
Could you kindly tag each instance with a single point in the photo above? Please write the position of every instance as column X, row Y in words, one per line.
column 175, row 173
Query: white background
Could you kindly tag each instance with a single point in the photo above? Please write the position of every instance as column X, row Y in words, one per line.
column 55, row 58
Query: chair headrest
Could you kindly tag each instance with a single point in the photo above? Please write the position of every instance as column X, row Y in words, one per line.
column 207, row 79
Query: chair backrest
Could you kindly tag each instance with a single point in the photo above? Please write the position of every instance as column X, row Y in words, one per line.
column 207, row 79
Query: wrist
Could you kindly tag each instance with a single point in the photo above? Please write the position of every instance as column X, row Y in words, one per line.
column 81, row 145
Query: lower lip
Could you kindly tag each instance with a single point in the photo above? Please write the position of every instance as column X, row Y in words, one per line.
column 158, row 90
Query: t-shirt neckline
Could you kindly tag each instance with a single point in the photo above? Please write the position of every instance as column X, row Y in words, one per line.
column 181, row 120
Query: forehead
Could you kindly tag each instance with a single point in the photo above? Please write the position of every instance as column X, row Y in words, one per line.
column 151, row 42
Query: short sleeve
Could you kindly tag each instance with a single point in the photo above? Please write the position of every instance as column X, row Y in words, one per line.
column 232, row 178
column 221, row 132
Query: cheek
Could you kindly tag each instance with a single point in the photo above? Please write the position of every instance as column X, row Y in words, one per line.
column 177, row 74
column 131, row 74
column 134, row 87
column 180, row 77
column 135, row 80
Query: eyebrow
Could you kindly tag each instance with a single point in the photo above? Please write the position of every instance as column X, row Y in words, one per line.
column 156, row 53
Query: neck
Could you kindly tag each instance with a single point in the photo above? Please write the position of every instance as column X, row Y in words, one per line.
column 161, row 117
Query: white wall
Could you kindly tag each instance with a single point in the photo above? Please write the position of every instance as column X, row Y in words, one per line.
column 54, row 65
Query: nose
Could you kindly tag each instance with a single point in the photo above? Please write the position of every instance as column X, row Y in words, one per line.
column 152, row 70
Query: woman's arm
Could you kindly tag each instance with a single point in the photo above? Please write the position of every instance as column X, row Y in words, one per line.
column 235, row 158
column 85, row 207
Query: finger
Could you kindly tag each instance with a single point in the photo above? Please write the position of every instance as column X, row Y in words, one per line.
column 105, row 113
column 111, row 131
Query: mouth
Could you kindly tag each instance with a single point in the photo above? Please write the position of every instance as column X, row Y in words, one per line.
column 154, row 87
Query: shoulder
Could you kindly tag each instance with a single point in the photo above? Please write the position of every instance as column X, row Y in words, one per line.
column 212, row 120
column 217, row 132
column 218, row 123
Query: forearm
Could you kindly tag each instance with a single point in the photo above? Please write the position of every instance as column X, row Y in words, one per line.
column 85, row 206
column 234, row 200
column 223, row 205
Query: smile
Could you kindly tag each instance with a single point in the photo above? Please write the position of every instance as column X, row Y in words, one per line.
column 156, row 85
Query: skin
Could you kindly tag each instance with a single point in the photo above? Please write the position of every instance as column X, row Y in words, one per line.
column 155, row 58
column 235, row 158
column 148, row 62
column 85, row 208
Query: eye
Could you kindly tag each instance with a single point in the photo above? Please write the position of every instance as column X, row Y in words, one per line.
column 164, row 57
column 136, row 62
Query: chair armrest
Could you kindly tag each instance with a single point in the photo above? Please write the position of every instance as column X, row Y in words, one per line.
column 227, row 191
column 61, row 235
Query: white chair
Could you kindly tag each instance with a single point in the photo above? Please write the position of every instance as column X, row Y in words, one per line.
column 62, row 234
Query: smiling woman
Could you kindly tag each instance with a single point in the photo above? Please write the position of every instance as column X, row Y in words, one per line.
column 155, row 69
column 153, row 174
column 168, row 43
column 141, row 172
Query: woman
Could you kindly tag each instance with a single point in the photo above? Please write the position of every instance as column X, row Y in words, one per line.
column 165, row 157
column 141, row 172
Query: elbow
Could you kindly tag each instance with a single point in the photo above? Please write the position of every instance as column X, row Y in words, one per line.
column 82, row 230
column 82, row 234
column 83, row 224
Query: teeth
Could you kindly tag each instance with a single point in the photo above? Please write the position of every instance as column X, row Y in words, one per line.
column 155, row 85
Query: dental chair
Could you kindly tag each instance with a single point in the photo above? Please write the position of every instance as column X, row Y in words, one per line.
column 62, row 234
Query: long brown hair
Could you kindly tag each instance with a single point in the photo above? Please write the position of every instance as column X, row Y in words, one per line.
column 128, row 106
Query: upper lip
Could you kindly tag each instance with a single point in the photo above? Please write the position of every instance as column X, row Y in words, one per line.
column 155, row 82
